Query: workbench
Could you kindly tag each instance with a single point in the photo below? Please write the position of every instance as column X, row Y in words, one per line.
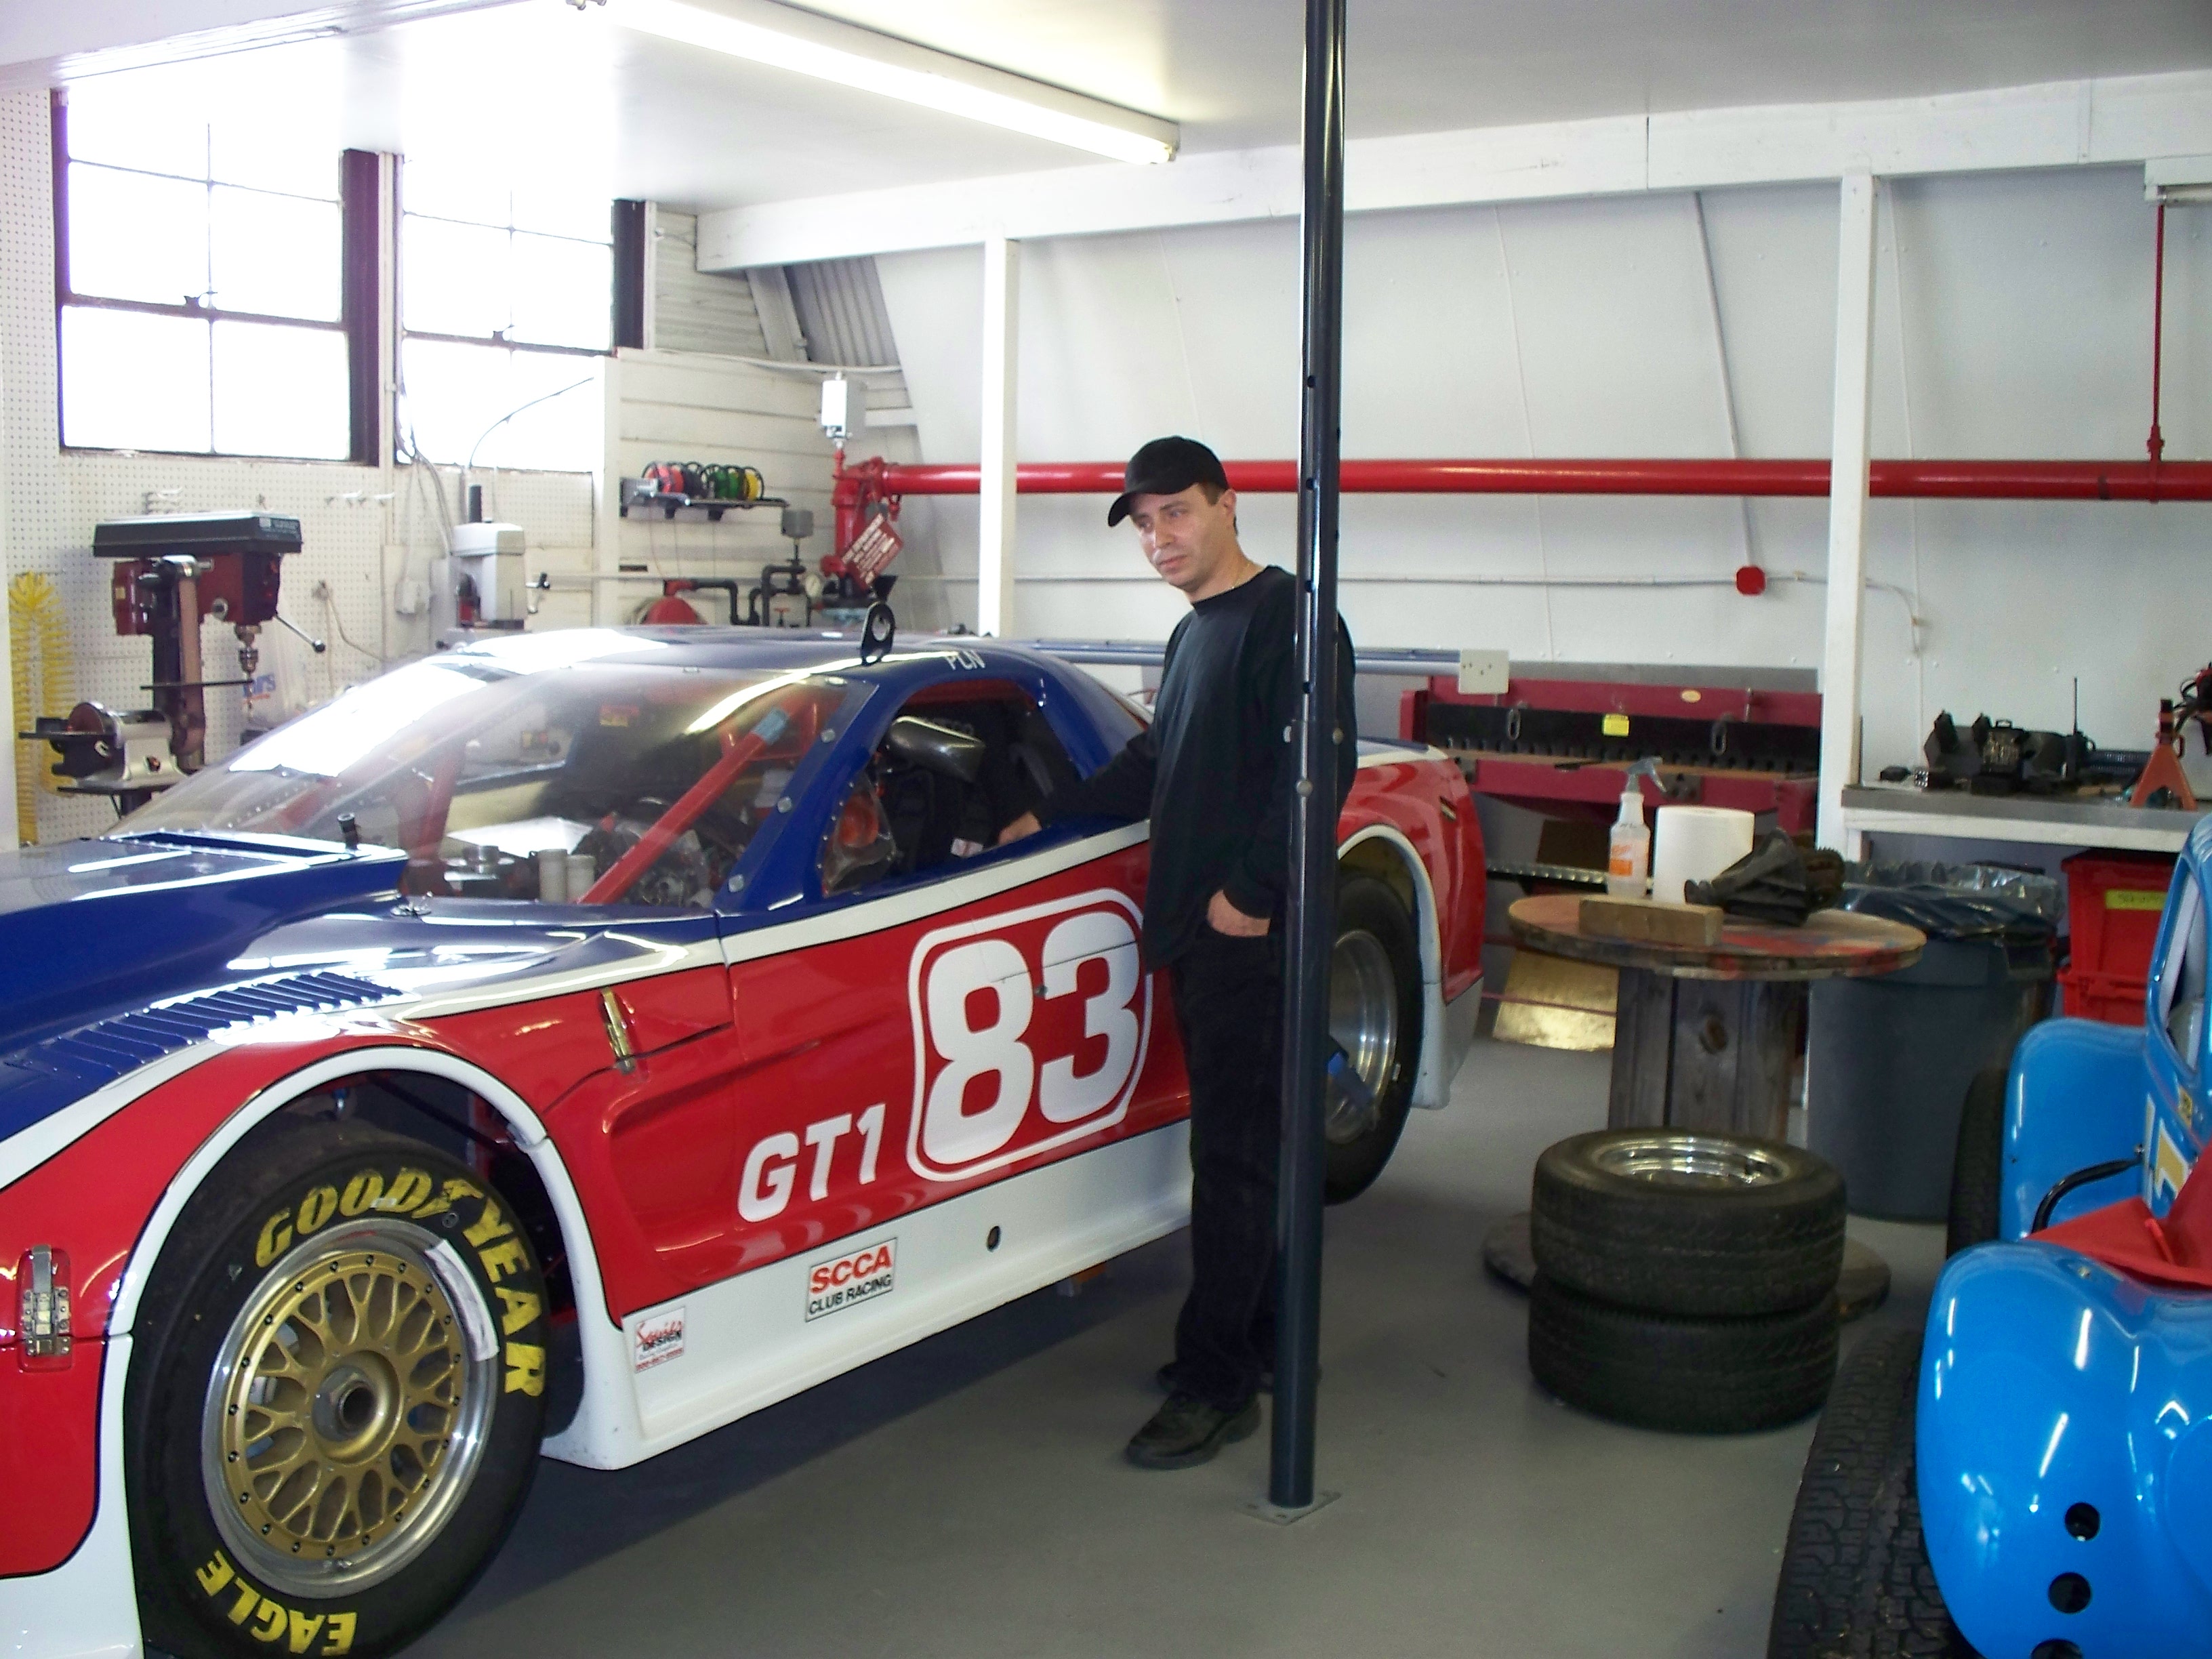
column 1900, row 809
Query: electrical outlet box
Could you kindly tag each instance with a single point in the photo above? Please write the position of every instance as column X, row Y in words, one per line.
column 411, row 598
column 844, row 407
column 1484, row 673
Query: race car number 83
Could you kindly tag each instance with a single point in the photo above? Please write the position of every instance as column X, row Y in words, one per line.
column 1031, row 1029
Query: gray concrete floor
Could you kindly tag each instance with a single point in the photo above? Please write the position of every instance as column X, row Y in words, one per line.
column 966, row 1496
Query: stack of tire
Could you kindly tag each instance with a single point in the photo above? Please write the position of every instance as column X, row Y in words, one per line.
column 1685, row 1281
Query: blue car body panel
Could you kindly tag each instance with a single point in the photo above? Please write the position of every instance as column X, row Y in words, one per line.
column 2064, row 1450
column 2049, row 1383
column 91, row 925
column 2077, row 1090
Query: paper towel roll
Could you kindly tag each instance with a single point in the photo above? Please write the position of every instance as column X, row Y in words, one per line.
column 1695, row 844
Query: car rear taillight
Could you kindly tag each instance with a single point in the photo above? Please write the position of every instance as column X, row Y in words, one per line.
column 42, row 1291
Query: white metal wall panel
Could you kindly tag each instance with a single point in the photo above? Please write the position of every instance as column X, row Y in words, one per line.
column 2013, row 318
column 686, row 406
column 693, row 310
column 843, row 320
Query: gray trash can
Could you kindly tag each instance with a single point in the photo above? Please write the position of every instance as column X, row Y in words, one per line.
column 1888, row 1059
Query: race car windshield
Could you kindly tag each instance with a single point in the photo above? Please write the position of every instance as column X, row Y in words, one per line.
column 592, row 781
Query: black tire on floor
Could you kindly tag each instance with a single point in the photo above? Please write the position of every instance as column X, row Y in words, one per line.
column 1978, row 1166
column 1689, row 1375
column 344, row 1338
column 1668, row 1221
column 1855, row 1583
column 1376, row 980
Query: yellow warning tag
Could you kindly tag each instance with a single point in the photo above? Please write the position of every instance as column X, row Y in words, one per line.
column 2134, row 898
column 1616, row 726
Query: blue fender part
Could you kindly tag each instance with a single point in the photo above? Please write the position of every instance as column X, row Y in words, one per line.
column 2077, row 1096
column 91, row 925
column 2048, row 1384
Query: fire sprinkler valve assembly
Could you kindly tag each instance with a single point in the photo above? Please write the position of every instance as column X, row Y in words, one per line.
column 171, row 572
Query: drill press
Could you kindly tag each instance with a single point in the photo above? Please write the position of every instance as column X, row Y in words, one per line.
column 172, row 572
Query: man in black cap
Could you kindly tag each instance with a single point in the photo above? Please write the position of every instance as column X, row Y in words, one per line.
column 1216, row 773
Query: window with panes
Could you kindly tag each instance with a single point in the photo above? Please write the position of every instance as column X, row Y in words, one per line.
column 506, row 303
column 198, row 278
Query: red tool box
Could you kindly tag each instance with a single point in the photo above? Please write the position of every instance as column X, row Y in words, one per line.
column 2113, row 904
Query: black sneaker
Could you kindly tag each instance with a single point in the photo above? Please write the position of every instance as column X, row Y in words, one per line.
column 1186, row 1431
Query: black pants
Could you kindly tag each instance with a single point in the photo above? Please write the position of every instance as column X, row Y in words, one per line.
column 1228, row 1004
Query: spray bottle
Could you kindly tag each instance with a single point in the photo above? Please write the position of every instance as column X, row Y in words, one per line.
column 1628, row 861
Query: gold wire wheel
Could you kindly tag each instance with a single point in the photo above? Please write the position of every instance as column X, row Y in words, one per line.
column 346, row 1413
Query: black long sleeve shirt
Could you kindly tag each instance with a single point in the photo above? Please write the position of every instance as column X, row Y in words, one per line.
column 1217, row 770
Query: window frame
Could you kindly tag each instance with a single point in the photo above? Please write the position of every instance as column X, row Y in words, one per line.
column 919, row 699
column 358, row 262
column 622, row 247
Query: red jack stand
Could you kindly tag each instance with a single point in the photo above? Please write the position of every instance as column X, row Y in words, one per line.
column 2163, row 771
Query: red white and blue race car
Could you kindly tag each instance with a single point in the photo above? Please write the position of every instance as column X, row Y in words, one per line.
column 573, row 1044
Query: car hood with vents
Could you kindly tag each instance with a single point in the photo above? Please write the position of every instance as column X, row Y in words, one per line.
column 115, row 952
column 89, row 927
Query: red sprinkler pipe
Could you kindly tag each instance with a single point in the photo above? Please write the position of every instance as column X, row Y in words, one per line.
column 2157, row 444
column 2025, row 481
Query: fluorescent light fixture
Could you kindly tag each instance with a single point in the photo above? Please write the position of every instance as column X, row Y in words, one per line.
column 805, row 43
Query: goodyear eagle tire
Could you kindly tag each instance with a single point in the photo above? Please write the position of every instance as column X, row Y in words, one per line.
column 1687, row 1375
column 1977, row 1165
column 1375, row 1015
column 1855, row 1583
column 1671, row 1221
column 335, row 1399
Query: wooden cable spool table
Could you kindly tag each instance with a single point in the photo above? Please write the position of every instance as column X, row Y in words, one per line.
column 1705, row 1036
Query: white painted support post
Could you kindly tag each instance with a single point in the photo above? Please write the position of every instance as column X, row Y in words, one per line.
column 1847, row 509
column 994, row 566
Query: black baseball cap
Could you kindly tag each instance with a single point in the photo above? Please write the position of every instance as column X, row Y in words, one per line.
column 1164, row 467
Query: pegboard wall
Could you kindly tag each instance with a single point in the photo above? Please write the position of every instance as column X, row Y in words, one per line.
column 366, row 530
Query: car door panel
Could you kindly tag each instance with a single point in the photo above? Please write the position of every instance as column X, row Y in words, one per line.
column 963, row 1047
column 813, row 1120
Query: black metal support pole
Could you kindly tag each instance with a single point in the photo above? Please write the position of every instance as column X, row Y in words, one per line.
column 1311, row 925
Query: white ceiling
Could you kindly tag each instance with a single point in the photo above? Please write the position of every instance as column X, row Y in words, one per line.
column 541, row 92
